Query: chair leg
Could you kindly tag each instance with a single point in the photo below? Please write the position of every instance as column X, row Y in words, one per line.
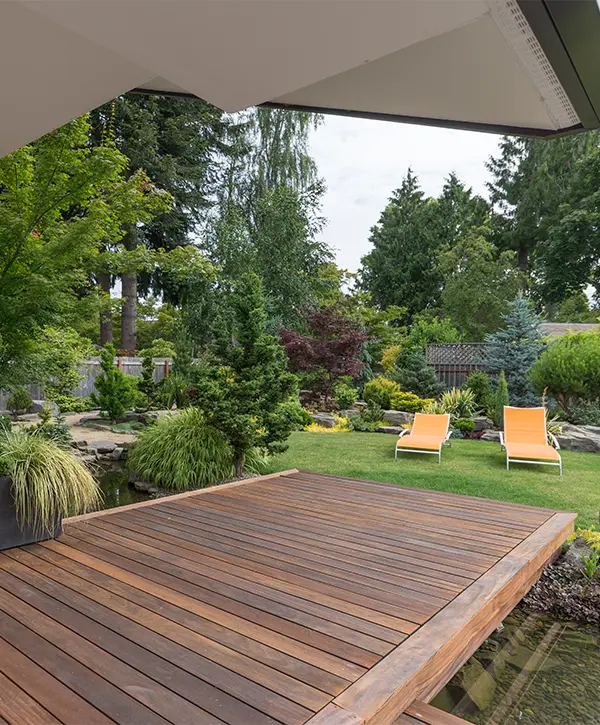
column 560, row 465
column 440, row 456
column 507, row 463
column 396, row 453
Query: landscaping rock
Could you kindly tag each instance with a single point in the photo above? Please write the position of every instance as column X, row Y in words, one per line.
column 398, row 417
column 349, row 413
column 154, row 415
column 327, row 420
column 578, row 549
column 142, row 486
column 90, row 419
column 482, row 424
column 102, row 447
column 117, row 454
column 359, row 405
column 491, row 435
column 37, row 406
column 82, row 445
column 153, row 489
column 392, row 429
column 133, row 417
column 580, row 438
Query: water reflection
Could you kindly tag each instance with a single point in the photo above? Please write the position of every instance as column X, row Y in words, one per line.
column 533, row 671
column 115, row 486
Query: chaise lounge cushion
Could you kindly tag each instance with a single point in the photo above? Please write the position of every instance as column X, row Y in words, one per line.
column 532, row 451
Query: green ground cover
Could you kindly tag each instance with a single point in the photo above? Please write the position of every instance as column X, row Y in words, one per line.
column 475, row 468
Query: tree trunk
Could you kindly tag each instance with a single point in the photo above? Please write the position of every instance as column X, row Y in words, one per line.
column 129, row 297
column 523, row 258
column 238, row 463
column 106, row 321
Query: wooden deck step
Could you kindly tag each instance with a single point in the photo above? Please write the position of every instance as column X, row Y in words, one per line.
column 420, row 713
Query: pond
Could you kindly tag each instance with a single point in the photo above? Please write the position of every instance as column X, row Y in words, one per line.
column 116, row 488
column 534, row 670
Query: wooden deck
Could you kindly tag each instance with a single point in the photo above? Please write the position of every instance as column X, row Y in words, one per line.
column 291, row 599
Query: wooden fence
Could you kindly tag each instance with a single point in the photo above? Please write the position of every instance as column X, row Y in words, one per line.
column 89, row 371
column 452, row 362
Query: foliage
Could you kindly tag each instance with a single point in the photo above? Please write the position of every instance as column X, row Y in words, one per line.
column 181, row 451
column 330, row 349
column 570, row 369
column 58, row 358
column 246, row 382
column 296, row 416
column 591, row 536
column 478, row 383
column 389, row 357
column 427, row 330
column 380, row 391
column 146, row 383
column 47, row 481
column 459, row 403
column 369, row 418
column 343, row 425
column 575, row 308
column 116, row 393
column 415, row 375
column 5, row 423
column 501, row 400
column 590, row 565
column 57, row 430
column 345, row 395
column 18, row 401
column 159, row 348
column 479, row 282
column 464, row 425
column 172, row 390
column 73, row 403
column 515, row 349
column 409, row 402
column 553, row 424
column 585, row 412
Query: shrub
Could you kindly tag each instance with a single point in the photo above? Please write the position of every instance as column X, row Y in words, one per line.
column 72, row 403
column 478, row 383
column 570, row 370
column 181, row 451
column 52, row 429
column 5, row 424
column 464, row 425
column 345, row 395
column 159, row 348
column 409, row 402
column 59, row 358
column 586, row 412
column 343, row 425
column 47, row 481
column 389, row 357
column 501, row 399
column 380, row 391
column 458, row 403
column 368, row 420
column 146, row 383
column 18, row 401
column 415, row 375
column 116, row 391
column 295, row 415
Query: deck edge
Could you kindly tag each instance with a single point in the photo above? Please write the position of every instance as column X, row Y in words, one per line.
column 410, row 672
column 174, row 497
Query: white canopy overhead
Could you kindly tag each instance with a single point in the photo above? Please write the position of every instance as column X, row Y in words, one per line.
column 523, row 66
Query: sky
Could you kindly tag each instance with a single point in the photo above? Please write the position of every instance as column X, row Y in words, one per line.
column 363, row 161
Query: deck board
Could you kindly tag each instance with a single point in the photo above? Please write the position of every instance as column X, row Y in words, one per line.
column 289, row 599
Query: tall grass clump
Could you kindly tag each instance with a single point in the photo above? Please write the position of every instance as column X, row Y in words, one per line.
column 181, row 451
column 48, row 482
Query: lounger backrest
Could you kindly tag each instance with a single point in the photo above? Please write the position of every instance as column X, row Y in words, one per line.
column 525, row 425
column 431, row 425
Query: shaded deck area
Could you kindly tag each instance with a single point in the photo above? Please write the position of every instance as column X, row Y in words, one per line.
column 291, row 599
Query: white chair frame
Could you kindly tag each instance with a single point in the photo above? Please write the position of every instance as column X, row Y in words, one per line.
column 445, row 442
column 551, row 440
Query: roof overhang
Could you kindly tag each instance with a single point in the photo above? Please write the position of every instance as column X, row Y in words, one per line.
column 512, row 66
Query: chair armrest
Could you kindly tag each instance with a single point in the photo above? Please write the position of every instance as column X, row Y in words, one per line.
column 501, row 437
column 553, row 441
column 404, row 432
column 450, row 432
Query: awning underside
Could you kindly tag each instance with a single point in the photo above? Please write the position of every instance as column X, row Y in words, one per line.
column 471, row 63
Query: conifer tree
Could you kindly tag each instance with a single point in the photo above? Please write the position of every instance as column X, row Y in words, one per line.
column 515, row 348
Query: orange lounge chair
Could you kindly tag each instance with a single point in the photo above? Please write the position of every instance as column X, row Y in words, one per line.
column 526, row 440
column 428, row 434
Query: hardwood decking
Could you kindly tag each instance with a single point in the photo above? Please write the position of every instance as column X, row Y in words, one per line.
column 299, row 598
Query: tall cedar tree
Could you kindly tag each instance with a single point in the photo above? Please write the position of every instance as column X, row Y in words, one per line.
column 332, row 348
column 242, row 391
column 515, row 349
column 181, row 144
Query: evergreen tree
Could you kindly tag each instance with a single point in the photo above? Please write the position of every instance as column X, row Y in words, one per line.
column 116, row 393
column 501, row 399
column 243, row 390
column 514, row 350
column 416, row 376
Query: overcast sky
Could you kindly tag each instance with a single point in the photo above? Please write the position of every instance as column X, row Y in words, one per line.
column 363, row 161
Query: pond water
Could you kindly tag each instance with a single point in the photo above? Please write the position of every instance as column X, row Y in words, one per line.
column 116, row 488
column 534, row 670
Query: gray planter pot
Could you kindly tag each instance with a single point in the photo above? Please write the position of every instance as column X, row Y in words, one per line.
column 10, row 533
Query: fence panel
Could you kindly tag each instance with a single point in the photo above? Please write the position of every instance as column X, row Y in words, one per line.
column 452, row 362
column 89, row 371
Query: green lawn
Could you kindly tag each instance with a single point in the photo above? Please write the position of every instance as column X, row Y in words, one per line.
column 475, row 468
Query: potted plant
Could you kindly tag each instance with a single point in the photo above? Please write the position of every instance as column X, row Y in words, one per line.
column 40, row 484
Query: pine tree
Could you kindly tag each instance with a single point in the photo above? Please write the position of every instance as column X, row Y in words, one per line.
column 416, row 376
column 115, row 391
column 501, row 399
column 242, row 391
column 515, row 348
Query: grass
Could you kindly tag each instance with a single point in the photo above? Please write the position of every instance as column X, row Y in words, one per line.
column 475, row 468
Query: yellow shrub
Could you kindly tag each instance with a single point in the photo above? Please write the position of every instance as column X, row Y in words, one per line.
column 389, row 357
column 342, row 426
column 591, row 536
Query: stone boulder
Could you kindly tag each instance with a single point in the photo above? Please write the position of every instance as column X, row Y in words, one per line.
column 575, row 553
column 482, row 424
column 491, row 435
column 327, row 420
column 38, row 406
column 392, row 429
column 349, row 413
column 580, row 438
column 101, row 447
column 398, row 417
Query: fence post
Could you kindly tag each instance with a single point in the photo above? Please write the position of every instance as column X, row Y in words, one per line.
column 166, row 368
